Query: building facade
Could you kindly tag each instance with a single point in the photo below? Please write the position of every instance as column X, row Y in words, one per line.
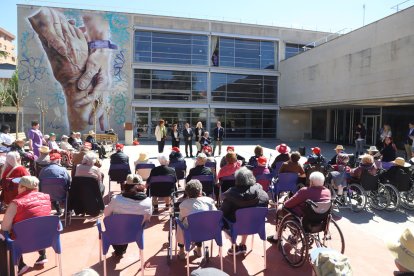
column 178, row 69
column 6, row 45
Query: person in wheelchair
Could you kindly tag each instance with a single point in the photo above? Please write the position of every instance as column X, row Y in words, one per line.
column 194, row 203
column 316, row 192
column 391, row 173
column 340, row 175
column 367, row 164
column 293, row 166
column 316, row 158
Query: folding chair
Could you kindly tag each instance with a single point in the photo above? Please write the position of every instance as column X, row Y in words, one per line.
column 144, row 169
column 286, row 182
column 58, row 190
column 203, row 226
column 161, row 186
column 121, row 229
column 34, row 234
column 208, row 183
column 249, row 221
column 118, row 173
column 180, row 168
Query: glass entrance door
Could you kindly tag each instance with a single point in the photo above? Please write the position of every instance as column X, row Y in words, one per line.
column 372, row 124
column 142, row 127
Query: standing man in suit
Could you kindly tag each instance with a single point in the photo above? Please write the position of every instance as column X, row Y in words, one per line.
column 409, row 141
column 218, row 135
column 188, row 139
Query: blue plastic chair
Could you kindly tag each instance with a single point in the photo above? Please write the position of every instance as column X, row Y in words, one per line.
column 118, row 173
column 34, row 234
column 386, row 165
column 207, row 181
column 213, row 167
column 180, row 168
column 57, row 189
column 203, row 226
column 286, row 182
column 121, row 229
column 225, row 183
column 144, row 169
column 249, row 221
column 264, row 180
column 275, row 171
column 162, row 186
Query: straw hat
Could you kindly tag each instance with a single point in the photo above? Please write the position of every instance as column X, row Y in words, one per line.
column 372, row 149
column 91, row 132
column 143, row 157
column 64, row 137
column 339, row 147
column 19, row 140
column 330, row 262
column 399, row 161
column 283, row 148
column 403, row 249
column 44, row 150
column 30, row 182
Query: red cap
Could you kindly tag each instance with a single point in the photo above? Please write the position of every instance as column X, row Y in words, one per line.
column 316, row 150
column 262, row 160
column 87, row 145
column 230, row 148
column 176, row 149
column 119, row 146
column 55, row 156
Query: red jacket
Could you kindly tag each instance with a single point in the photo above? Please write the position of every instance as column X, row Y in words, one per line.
column 31, row 204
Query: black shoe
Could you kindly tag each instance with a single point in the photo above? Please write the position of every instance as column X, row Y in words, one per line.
column 272, row 239
column 240, row 249
column 41, row 260
column 23, row 268
column 186, row 156
column 119, row 254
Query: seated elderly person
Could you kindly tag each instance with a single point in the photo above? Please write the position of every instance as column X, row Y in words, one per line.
column 29, row 203
column 78, row 157
column 55, row 170
column 246, row 193
column 133, row 201
column 316, row 157
column 6, row 140
column 316, row 192
column 120, row 158
column 72, row 141
column 194, row 203
column 64, row 144
column 258, row 152
column 261, row 169
column 29, row 157
column 161, row 170
column 340, row 175
column 283, row 156
column 88, row 169
column 366, row 164
column 54, row 147
column 44, row 158
column 230, row 149
column 175, row 155
column 200, row 168
column 293, row 166
column 391, row 173
column 232, row 165
column 13, row 168
column 95, row 145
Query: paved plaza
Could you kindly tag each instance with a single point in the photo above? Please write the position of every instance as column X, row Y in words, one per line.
column 365, row 234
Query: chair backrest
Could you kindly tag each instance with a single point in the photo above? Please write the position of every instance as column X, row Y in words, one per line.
column 57, row 188
column 207, row 181
column 204, row 226
column 141, row 166
column 402, row 181
column 368, row 181
column 264, row 180
column 212, row 166
column 162, row 186
column 118, row 172
column 36, row 234
column 123, row 229
column 286, row 183
column 9, row 190
column 85, row 196
column 315, row 218
column 250, row 221
column 180, row 168
column 386, row 165
column 226, row 182
column 275, row 171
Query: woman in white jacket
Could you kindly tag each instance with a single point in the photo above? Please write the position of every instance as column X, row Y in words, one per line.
column 160, row 134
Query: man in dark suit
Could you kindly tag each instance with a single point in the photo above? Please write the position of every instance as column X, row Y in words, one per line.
column 188, row 139
column 200, row 168
column 218, row 135
column 161, row 170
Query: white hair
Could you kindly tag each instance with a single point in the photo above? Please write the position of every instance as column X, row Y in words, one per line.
column 13, row 158
column 244, row 177
column 317, row 179
column 163, row 159
column 202, row 157
column 89, row 158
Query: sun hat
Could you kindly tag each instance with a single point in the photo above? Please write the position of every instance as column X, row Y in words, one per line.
column 330, row 262
column 133, row 179
column 143, row 157
column 176, row 149
column 46, row 137
column 119, row 146
column 283, row 148
column 64, row 137
column 261, row 160
column 29, row 181
column 339, row 147
column 44, row 150
column 91, row 132
column 372, row 149
column 55, row 156
column 230, row 148
column 52, row 134
column 403, row 249
column 87, row 145
column 316, row 150
column 399, row 161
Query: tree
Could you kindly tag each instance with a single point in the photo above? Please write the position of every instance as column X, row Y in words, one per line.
column 17, row 96
column 4, row 54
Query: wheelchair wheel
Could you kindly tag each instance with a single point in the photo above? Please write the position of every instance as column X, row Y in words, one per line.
column 170, row 242
column 394, row 197
column 333, row 237
column 380, row 198
column 292, row 242
column 357, row 198
column 407, row 199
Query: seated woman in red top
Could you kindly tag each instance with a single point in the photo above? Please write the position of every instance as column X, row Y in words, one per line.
column 316, row 192
column 29, row 203
column 232, row 165
column 367, row 164
column 13, row 167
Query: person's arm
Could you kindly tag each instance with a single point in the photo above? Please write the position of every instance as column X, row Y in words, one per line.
column 7, row 223
column 295, row 200
column 31, row 137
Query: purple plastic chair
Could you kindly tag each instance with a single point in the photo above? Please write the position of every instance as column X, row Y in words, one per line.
column 207, row 181
column 144, row 169
column 264, row 180
column 180, row 168
column 286, row 182
column 275, row 171
column 57, row 189
column 203, row 226
column 386, row 165
column 121, row 229
column 34, row 234
column 213, row 167
column 118, row 173
column 249, row 221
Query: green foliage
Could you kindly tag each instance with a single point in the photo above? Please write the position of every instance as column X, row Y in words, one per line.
column 9, row 91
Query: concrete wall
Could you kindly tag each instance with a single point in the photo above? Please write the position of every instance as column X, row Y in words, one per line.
column 293, row 124
column 371, row 63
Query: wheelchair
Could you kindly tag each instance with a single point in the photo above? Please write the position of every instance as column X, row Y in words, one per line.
column 404, row 184
column 297, row 235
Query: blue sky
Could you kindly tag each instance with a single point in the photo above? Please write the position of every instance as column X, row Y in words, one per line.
column 322, row 15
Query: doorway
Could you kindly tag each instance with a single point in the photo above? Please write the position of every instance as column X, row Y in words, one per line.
column 372, row 124
column 141, row 124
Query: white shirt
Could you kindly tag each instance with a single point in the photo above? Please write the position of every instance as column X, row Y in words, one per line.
column 7, row 139
column 129, row 206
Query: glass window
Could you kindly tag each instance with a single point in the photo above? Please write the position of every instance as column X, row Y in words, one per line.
column 243, row 88
column 170, row 85
column 294, row 49
column 174, row 48
column 245, row 53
